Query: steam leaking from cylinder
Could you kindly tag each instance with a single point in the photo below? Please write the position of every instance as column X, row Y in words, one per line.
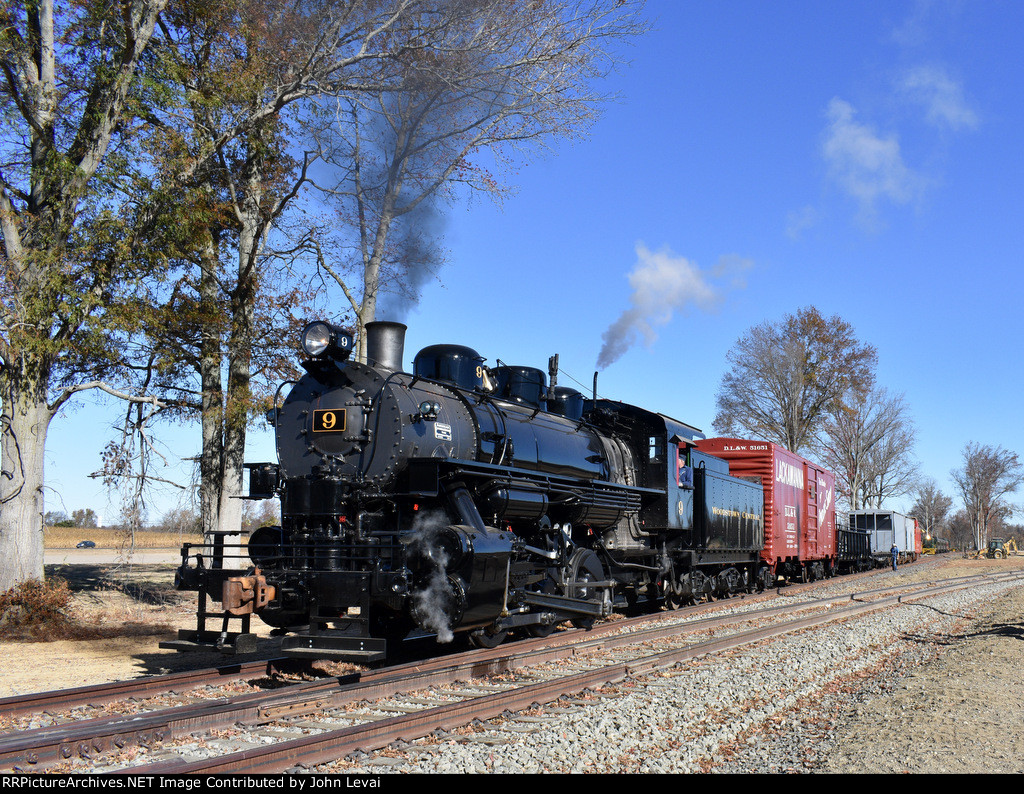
column 432, row 600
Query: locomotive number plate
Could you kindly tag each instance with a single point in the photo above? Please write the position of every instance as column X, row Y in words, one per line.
column 328, row 421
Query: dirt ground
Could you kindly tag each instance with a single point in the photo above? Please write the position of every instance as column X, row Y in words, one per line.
column 143, row 606
column 962, row 712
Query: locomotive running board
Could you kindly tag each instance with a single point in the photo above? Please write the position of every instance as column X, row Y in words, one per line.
column 425, row 475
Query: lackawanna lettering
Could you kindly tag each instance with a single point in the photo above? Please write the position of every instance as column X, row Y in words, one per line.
column 788, row 474
column 718, row 511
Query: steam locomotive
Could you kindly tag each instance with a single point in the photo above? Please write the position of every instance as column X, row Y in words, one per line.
column 465, row 499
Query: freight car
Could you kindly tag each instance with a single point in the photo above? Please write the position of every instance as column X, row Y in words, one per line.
column 883, row 528
column 799, row 506
column 853, row 549
column 935, row 546
column 464, row 499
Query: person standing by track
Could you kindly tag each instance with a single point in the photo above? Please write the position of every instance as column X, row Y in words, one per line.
column 895, row 552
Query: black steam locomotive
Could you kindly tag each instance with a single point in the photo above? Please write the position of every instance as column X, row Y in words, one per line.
column 462, row 499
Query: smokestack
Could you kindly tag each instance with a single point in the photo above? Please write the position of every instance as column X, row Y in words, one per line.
column 385, row 344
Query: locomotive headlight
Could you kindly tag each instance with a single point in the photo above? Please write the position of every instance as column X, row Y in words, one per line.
column 429, row 410
column 320, row 338
column 315, row 338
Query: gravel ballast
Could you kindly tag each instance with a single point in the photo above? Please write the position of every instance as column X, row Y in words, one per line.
column 926, row 687
column 855, row 696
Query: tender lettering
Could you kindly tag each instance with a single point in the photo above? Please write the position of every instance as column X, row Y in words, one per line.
column 721, row 511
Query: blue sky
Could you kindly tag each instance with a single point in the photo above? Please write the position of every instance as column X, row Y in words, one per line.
column 864, row 158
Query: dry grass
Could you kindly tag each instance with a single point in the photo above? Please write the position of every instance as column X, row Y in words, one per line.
column 94, row 598
column 108, row 538
column 118, row 612
column 49, row 611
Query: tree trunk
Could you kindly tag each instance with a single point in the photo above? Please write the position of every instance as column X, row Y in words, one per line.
column 230, row 508
column 26, row 419
column 239, row 362
column 211, row 457
column 373, row 258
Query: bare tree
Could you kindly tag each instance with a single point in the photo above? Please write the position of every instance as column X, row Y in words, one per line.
column 494, row 82
column 867, row 440
column 961, row 535
column 266, row 514
column 988, row 476
column 785, row 378
column 181, row 520
column 76, row 204
column 891, row 470
column 85, row 518
column 931, row 508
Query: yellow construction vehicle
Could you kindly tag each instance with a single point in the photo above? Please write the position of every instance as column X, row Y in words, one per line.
column 999, row 549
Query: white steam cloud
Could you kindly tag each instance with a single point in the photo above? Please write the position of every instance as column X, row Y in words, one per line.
column 432, row 602
column 941, row 96
column 663, row 284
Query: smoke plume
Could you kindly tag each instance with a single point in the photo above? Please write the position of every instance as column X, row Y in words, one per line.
column 662, row 284
column 415, row 257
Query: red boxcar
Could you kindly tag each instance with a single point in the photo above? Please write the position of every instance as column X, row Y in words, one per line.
column 799, row 505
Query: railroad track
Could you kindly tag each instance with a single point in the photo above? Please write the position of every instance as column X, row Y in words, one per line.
column 95, row 696
column 317, row 722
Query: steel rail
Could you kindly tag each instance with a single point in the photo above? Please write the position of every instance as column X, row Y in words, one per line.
column 99, row 694
column 53, row 701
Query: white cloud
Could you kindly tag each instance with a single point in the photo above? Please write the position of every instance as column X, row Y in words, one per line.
column 866, row 165
column 798, row 221
column 733, row 267
column 941, row 96
column 914, row 31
